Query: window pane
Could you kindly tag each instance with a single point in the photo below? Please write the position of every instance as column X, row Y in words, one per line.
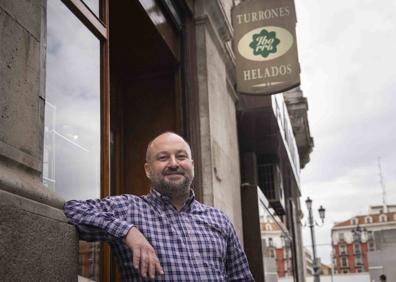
column 93, row 5
column 72, row 116
column 71, row 161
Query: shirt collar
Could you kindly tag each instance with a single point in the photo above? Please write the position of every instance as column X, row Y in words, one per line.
column 157, row 198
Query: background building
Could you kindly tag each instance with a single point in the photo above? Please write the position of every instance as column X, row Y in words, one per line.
column 354, row 240
column 308, row 262
column 276, row 238
column 382, row 259
column 86, row 84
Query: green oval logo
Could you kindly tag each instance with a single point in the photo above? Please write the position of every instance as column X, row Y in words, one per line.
column 265, row 43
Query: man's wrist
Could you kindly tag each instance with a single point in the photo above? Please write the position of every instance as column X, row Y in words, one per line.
column 129, row 229
column 118, row 228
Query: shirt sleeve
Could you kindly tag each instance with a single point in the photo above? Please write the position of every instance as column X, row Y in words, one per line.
column 237, row 265
column 100, row 219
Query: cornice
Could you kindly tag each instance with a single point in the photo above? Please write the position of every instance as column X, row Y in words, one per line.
column 367, row 225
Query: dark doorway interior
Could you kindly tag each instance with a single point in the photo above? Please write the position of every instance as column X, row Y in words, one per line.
column 144, row 90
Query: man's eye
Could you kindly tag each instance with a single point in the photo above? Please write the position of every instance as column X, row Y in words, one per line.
column 182, row 157
column 162, row 158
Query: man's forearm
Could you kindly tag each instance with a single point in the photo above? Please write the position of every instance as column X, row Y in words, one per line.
column 98, row 219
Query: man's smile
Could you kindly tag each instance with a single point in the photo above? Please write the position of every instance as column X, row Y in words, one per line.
column 166, row 173
column 174, row 175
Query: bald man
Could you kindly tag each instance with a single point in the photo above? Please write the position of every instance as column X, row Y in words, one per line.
column 165, row 235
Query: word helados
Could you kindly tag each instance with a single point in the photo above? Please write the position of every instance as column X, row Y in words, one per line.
column 274, row 71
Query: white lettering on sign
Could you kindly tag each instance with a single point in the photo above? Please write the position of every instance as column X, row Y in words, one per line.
column 263, row 43
column 263, row 15
column 274, row 71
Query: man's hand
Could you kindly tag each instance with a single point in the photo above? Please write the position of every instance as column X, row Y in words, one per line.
column 144, row 256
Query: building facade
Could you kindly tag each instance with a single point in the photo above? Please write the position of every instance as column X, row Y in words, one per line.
column 86, row 84
column 275, row 238
column 354, row 239
column 382, row 259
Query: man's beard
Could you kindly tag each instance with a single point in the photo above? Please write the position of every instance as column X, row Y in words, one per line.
column 173, row 189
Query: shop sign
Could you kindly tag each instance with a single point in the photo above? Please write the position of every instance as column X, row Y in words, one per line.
column 265, row 46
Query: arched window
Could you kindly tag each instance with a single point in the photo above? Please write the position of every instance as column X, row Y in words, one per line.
column 382, row 218
column 354, row 221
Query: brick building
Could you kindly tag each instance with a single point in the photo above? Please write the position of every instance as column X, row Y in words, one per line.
column 353, row 239
column 275, row 238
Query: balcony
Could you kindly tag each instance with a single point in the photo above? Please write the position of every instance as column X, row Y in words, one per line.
column 297, row 107
column 271, row 183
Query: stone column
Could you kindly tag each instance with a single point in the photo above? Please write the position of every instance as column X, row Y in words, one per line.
column 36, row 243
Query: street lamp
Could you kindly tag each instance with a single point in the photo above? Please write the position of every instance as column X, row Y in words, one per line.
column 312, row 223
column 322, row 211
column 308, row 201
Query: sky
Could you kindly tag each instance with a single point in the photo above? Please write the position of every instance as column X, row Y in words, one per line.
column 347, row 52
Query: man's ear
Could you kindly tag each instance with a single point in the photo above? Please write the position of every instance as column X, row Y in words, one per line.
column 147, row 169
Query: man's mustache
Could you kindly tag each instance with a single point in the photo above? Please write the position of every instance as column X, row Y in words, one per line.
column 173, row 171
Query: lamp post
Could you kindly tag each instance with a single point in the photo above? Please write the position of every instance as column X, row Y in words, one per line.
column 312, row 223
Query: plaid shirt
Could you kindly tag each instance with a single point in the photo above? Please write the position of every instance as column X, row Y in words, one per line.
column 197, row 243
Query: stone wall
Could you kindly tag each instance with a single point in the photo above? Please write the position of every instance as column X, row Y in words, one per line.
column 218, row 126
column 36, row 243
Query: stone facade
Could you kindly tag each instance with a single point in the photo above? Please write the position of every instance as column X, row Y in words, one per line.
column 28, row 212
column 220, row 155
column 297, row 106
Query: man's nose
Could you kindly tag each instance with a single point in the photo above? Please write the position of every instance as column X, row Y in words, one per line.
column 173, row 162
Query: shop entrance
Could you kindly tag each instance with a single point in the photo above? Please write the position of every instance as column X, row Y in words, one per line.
column 145, row 95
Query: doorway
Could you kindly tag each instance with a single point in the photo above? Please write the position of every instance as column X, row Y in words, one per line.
column 145, row 95
column 145, row 90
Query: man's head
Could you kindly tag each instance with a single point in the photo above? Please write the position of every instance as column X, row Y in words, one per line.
column 169, row 165
column 382, row 278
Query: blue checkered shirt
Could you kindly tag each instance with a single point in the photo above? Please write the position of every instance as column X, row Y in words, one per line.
column 197, row 243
